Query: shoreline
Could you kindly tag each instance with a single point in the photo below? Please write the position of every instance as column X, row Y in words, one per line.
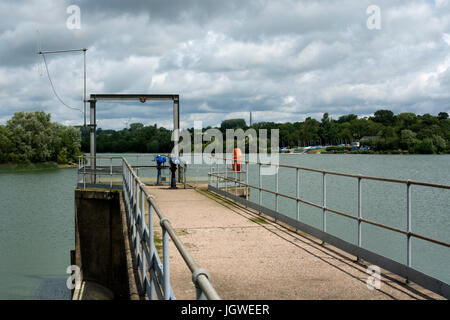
column 20, row 167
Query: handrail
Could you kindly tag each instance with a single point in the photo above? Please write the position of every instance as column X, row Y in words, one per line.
column 220, row 171
column 412, row 182
column 412, row 234
column 135, row 196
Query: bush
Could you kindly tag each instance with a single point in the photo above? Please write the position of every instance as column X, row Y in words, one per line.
column 62, row 156
column 425, row 147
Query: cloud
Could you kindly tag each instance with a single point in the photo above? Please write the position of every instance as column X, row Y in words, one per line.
column 283, row 60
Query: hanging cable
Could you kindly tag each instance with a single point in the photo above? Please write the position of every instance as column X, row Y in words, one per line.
column 53, row 87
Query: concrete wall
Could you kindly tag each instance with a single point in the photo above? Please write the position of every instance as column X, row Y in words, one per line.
column 100, row 241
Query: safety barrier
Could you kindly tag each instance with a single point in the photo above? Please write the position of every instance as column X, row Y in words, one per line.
column 220, row 171
column 154, row 273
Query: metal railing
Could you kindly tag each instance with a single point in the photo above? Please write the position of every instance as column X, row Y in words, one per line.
column 101, row 176
column 409, row 273
column 154, row 274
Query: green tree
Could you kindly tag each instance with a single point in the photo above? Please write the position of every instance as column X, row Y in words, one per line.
column 408, row 140
column 425, row 146
column 31, row 137
column 233, row 124
column 385, row 117
column 442, row 115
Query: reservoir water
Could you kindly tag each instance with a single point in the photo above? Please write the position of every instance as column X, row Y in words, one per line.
column 37, row 214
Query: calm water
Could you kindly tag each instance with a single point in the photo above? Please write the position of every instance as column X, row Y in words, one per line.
column 36, row 233
column 381, row 202
column 37, row 214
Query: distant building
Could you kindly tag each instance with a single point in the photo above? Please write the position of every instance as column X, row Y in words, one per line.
column 367, row 138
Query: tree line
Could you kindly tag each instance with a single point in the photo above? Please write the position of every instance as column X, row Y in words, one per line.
column 385, row 132
column 30, row 137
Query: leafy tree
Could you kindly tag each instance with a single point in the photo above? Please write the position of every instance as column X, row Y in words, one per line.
column 425, row 146
column 408, row 139
column 385, row 117
column 347, row 118
column 30, row 137
column 442, row 115
column 439, row 142
column 233, row 124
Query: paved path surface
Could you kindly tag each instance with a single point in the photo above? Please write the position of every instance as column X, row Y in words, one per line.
column 250, row 257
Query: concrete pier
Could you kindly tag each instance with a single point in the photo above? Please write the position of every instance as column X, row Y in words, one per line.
column 249, row 256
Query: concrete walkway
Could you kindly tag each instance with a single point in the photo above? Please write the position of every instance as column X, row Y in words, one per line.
column 251, row 257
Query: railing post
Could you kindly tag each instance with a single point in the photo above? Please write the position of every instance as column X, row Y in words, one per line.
column 84, row 175
column 408, row 224
column 276, row 190
column 235, row 180
column 297, row 192
column 260, row 186
column 143, row 225
column 136, row 223
column 226, row 177
column 136, row 194
column 246, row 182
column 184, row 175
column 359, row 212
column 217, row 174
column 110, row 172
column 324, row 202
column 137, row 164
column 166, row 266
column 152, row 245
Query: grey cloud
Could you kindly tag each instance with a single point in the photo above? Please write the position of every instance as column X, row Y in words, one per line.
column 281, row 59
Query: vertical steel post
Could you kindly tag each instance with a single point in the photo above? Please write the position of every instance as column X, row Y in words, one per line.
column 151, row 245
column 176, row 129
column 324, row 202
column 226, row 177
column 235, row 179
column 184, row 175
column 137, row 164
column 217, row 174
column 110, row 172
column 136, row 222
column 143, row 225
column 276, row 190
column 359, row 212
column 246, row 182
column 84, row 99
column 408, row 224
column 92, row 125
column 260, row 187
column 166, row 266
column 84, row 174
column 297, row 192
column 210, row 176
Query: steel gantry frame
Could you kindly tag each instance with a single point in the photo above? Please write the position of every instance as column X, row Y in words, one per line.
column 131, row 97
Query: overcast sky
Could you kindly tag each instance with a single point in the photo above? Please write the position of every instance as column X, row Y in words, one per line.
column 282, row 60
